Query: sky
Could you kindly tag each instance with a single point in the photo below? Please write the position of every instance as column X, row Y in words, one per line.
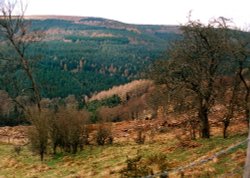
column 167, row 12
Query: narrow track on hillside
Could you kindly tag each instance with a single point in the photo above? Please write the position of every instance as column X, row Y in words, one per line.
column 197, row 162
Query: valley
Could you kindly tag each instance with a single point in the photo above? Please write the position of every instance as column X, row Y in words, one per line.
column 83, row 55
column 96, row 97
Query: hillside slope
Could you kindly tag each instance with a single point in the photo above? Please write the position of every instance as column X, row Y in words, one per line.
column 82, row 55
column 168, row 144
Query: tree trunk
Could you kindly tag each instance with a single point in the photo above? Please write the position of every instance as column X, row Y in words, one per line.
column 193, row 129
column 247, row 163
column 247, row 87
column 226, row 124
column 25, row 64
column 247, row 114
column 54, row 148
column 246, row 99
column 232, row 103
column 74, row 148
column 41, row 155
column 203, row 115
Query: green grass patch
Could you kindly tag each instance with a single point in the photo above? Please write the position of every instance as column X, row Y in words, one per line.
column 101, row 161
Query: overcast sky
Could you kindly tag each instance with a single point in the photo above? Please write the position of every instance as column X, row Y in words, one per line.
column 146, row 11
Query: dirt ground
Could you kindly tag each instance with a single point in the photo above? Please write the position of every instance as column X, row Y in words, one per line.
column 127, row 130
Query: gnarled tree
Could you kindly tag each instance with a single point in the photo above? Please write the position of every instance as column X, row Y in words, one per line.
column 196, row 63
column 16, row 37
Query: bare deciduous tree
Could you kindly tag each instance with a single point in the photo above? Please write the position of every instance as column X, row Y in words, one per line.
column 69, row 129
column 16, row 37
column 196, row 63
column 229, row 96
column 39, row 132
column 15, row 33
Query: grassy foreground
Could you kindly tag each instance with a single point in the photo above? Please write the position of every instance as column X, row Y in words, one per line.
column 106, row 161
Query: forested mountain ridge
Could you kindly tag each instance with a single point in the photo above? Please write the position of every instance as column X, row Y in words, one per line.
column 83, row 55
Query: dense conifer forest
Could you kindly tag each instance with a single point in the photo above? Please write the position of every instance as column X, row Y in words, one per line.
column 81, row 56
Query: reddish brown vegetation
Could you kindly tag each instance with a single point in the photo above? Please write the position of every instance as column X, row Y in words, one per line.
column 135, row 88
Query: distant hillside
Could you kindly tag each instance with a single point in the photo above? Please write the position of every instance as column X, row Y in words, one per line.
column 83, row 55
column 97, row 21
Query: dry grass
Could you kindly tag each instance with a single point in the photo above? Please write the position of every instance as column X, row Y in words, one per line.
column 106, row 161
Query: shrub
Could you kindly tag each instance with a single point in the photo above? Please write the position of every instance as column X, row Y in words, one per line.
column 70, row 129
column 141, row 167
column 136, row 167
column 140, row 138
column 158, row 159
column 38, row 134
column 104, row 135
column 17, row 149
